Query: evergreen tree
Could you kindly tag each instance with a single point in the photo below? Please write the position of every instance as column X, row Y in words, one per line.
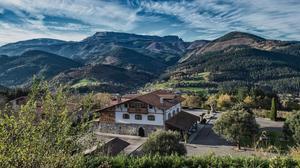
column 273, row 114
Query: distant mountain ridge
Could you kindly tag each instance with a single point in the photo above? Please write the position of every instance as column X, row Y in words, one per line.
column 127, row 61
column 168, row 48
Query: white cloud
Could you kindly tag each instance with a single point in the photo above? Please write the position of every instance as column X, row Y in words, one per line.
column 18, row 34
column 270, row 18
column 198, row 19
column 94, row 12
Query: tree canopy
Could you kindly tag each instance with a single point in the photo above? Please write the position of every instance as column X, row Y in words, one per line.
column 236, row 126
column 42, row 133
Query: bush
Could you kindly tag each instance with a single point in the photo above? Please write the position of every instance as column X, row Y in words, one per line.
column 174, row 161
column 164, row 143
column 291, row 127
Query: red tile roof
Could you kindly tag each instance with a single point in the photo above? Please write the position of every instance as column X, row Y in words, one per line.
column 170, row 99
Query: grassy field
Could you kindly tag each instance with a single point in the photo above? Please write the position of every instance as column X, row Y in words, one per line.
column 194, row 84
column 85, row 82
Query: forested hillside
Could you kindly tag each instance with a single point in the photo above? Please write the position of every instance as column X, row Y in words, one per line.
column 237, row 60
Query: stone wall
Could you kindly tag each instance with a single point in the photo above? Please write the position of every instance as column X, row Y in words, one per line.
column 126, row 129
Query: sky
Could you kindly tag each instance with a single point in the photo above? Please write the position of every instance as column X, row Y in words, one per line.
column 189, row 19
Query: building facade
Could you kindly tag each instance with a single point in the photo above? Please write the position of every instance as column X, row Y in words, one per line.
column 140, row 114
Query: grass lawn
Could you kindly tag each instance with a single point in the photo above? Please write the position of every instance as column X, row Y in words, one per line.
column 85, row 82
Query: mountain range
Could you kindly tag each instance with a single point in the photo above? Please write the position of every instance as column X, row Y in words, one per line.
column 120, row 62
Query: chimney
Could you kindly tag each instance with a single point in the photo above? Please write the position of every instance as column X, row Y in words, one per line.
column 119, row 99
column 161, row 99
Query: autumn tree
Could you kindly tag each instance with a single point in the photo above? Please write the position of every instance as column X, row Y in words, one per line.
column 212, row 102
column 102, row 99
column 192, row 101
column 249, row 101
column 224, row 100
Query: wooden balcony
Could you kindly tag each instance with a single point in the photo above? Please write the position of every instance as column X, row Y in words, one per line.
column 138, row 110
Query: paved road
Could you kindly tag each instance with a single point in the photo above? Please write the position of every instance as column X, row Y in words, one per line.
column 208, row 137
column 208, row 142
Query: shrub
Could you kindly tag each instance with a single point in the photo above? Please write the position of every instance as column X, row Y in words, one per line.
column 164, row 143
column 173, row 161
column 291, row 127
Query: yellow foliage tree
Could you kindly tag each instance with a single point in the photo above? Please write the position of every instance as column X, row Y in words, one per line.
column 249, row 101
column 192, row 101
column 224, row 100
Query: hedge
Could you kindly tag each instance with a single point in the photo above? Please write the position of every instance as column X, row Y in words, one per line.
column 190, row 162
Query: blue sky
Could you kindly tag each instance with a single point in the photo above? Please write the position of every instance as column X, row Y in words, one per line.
column 189, row 19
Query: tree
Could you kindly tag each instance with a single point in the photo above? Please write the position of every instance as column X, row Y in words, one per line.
column 236, row 126
column 273, row 114
column 249, row 101
column 291, row 128
column 164, row 143
column 42, row 133
column 242, row 93
column 212, row 102
column 102, row 100
column 191, row 101
column 224, row 100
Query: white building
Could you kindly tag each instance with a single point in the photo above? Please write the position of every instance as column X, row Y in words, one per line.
column 143, row 114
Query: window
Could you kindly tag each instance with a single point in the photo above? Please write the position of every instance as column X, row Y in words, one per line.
column 177, row 110
column 151, row 118
column 138, row 117
column 173, row 112
column 169, row 115
column 126, row 116
column 126, row 105
column 150, row 106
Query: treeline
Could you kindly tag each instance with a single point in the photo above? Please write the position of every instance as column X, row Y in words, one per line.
column 252, row 97
column 11, row 94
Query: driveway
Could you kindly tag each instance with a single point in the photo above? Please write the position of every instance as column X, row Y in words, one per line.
column 207, row 141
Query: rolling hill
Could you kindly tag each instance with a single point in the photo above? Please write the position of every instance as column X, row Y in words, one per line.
column 130, row 59
column 105, row 78
column 19, row 70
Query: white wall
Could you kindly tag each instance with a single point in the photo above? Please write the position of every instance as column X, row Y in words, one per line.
column 158, row 113
column 132, row 120
column 177, row 106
